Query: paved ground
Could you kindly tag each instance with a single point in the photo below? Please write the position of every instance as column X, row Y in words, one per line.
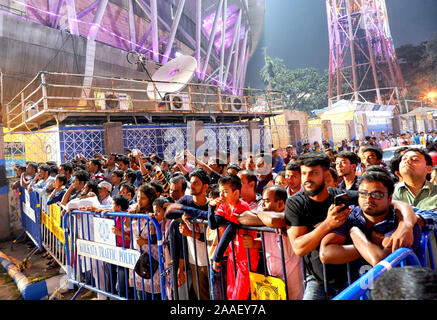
column 35, row 271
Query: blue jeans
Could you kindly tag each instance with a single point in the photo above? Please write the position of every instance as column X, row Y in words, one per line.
column 315, row 290
column 215, row 284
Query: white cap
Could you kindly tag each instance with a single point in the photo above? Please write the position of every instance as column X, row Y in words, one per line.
column 105, row 184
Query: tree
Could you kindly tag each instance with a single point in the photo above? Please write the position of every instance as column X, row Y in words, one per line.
column 303, row 89
column 419, row 68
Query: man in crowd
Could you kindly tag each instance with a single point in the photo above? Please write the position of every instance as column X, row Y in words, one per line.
column 110, row 164
column 67, row 169
column 248, row 188
column 292, row 175
column 371, row 156
column 346, row 164
column 80, row 178
column 41, row 180
column 277, row 161
column 311, row 214
column 123, row 162
column 264, row 173
column 27, row 177
column 178, row 186
column 306, row 147
column 116, row 178
column 128, row 190
column 356, row 238
column 289, row 154
column 414, row 189
column 105, row 188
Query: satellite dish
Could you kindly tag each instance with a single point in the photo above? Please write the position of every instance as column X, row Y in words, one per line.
column 172, row 77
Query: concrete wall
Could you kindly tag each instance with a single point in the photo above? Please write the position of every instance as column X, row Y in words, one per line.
column 28, row 47
column 14, row 212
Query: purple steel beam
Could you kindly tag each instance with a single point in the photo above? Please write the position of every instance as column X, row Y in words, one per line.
column 57, row 16
column 231, row 50
column 222, row 50
column 94, row 29
column 155, row 36
column 198, row 34
column 236, row 84
column 211, row 39
column 131, row 24
column 174, row 28
column 82, row 13
column 72, row 18
column 145, row 36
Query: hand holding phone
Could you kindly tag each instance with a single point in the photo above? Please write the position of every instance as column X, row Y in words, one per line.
column 342, row 199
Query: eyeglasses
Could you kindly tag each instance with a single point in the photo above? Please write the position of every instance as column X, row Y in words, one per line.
column 377, row 195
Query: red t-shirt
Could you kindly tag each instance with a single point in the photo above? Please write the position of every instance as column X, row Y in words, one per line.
column 225, row 211
column 232, row 215
column 434, row 158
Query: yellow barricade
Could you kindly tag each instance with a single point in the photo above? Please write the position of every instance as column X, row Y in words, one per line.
column 53, row 225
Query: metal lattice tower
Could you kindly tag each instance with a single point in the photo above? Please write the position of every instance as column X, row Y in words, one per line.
column 363, row 64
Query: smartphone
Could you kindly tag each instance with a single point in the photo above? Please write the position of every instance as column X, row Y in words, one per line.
column 342, row 198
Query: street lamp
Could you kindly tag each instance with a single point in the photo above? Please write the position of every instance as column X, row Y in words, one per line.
column 431, row 97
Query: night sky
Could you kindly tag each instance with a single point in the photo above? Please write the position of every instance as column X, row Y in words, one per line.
column 296, row 31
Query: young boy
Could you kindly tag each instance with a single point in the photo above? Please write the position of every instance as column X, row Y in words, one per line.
column 118, row 275
column 225, row 211
column 273, row 201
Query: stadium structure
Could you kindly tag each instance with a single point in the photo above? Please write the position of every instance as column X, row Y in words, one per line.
column 85, row 61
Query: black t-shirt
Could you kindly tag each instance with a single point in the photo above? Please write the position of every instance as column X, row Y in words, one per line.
column 215, row 177
column 188, row 201
column 302, row 211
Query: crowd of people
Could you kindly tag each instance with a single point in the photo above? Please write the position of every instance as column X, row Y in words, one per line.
column 331, row 206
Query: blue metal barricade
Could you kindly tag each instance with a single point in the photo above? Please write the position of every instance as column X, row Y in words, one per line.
column 360, row 288
column 99, row 263
column 425, row 255
column 31, row 215
column 425, row 252
column 203, row 244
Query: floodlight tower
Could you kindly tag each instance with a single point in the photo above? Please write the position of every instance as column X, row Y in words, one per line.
column 363, row 64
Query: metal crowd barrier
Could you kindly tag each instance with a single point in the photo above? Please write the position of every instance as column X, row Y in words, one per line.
column 423, row 256
column 359, row 290
column 30, row 211
column 96, row 263
column 65, row 237
column 183, row 253
column 43, row 224
column 52, row 231
column 425, row 253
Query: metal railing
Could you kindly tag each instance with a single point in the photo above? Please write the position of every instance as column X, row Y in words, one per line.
column 261, row 266
column 61, row 93
column 360, row 288
column 107, row 269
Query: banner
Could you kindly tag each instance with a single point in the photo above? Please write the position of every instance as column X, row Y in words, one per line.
column 266, row 288
column 103, row 231
column 27, row 208
column 115, row 255
column 53, row 226
column 31, row 215
column 55, row 214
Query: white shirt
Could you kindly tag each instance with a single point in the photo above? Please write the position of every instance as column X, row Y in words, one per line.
column 107, row 201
